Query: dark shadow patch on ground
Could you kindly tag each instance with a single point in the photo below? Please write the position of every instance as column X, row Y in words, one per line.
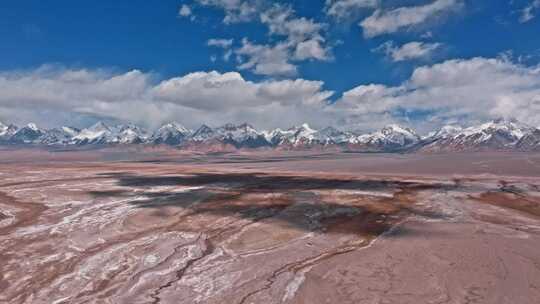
column 264, row 182
column 259, row 196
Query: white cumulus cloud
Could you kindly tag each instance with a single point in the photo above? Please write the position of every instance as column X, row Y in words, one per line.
column 344, row 9
column 296, row 38
column 222, row 43
column 474, row 89
column 266, row 59
column 52, row 96
column 185, row 11
column 390, row 21
column 457, row 90
column 408, row 51
column 235, row 10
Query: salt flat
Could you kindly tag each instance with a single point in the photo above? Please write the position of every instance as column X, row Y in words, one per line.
column 288, row 227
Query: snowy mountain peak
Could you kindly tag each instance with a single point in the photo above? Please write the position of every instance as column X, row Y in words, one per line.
column 450, row 129
column 28, row 134
column 203, row 133
column 57, row 136
column 394, row 128
column 302, row 135
column 99, row 133
column 390, row 137
column 331, row 135
column 32, row 126
column 498, row 134
column 243, row 135
column 203, row 129
column 98, row 127
column 174, row 126
column 6, row 130
column 70, row 130
column 171, row 133
column 444, row 132
column 305, row 128
column 510, row 128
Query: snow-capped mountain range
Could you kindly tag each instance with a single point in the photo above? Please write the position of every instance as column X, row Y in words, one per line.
column 499, row 135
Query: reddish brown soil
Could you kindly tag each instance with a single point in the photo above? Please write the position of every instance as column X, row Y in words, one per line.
column 260, row 231
column 525, row 203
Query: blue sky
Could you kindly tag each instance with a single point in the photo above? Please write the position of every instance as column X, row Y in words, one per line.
column 330, row 50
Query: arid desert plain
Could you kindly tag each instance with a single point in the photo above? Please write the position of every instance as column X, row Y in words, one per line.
column 287, row 227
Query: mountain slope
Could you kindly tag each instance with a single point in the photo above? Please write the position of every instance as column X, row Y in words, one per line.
column 298, row 136
column 170, row 134
column 130, row 134
column 530, row 141
column 100, row 134
column 500, row 134
column 390, row 138
column 6, row 131
column 58, row 136
column 239, row 136
column 27, row 134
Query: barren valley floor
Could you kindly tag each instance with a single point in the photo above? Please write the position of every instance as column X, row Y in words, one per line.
column 171, row 227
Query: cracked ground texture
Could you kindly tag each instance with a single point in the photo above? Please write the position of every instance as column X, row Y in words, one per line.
column 264, row 232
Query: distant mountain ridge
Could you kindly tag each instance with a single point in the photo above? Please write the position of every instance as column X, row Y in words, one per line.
column 496, row 135
column 499, row 135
